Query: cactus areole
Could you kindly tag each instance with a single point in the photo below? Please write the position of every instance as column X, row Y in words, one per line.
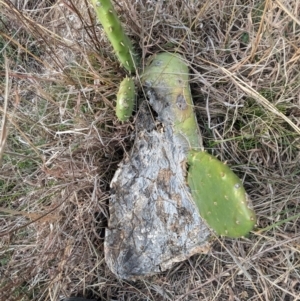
column 219, row 195
column 115, row 33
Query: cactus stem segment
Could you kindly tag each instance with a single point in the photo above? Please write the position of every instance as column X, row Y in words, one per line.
column 125, row 99
column 115, row 33
column 209, row 179
column 167, row 75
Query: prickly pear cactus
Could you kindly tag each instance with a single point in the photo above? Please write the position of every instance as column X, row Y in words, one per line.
column 115, row 33
column 125, row 99
column 219, row 195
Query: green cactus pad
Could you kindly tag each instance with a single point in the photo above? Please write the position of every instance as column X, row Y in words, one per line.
column 219, row 195
column 167, row 75
column 115, row 33
column 125, row 99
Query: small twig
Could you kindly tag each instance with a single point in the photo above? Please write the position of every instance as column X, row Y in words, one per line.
column 4, row 129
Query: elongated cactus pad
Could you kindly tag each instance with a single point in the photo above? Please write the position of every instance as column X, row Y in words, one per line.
column 125, row 99
column 115, row 33
column 167, row 79
column 219, row 194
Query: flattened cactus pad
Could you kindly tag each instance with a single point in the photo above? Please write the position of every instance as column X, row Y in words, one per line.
column 220, row 196
column 166, row 79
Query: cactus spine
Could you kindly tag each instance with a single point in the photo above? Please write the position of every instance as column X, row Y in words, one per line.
column 125, row 99
column 219, row 195
column 115, row 33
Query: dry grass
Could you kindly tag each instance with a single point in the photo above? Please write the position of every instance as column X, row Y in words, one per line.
column 63, row 144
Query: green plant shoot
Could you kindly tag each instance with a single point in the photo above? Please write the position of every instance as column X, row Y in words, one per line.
column 115, row 33
column 125, row 99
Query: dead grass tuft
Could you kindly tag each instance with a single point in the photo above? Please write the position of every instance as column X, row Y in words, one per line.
column 63, row 144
